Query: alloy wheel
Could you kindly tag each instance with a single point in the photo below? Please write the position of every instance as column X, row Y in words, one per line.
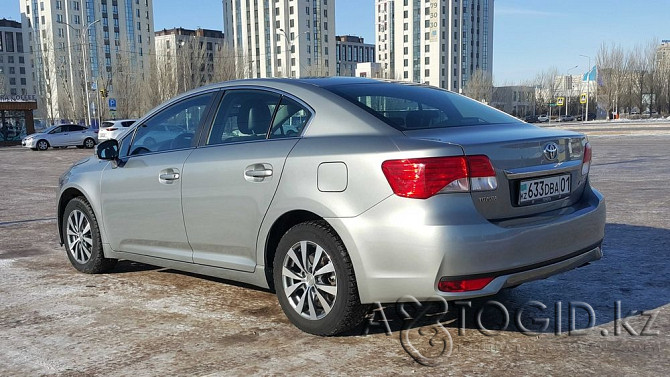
column 89, row 143
column 309, row 280
column 79, row 237
column 42, row 145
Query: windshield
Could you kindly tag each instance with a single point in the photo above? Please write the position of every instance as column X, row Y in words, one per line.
column 413, row 107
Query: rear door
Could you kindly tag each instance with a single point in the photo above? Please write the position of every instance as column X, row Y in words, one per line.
column 76, row 134
column 231, row 179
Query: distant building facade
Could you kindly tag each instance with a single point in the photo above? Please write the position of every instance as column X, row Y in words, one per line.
column 517, row 100
column 370, row 70
column 17, row 88
column 351, row 50
column 73, row 40
column 438, row 42
column 282, row 38
column 16, row 72
column 190, row 54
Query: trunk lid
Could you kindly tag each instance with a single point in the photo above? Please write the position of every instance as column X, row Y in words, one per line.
column 521, row 154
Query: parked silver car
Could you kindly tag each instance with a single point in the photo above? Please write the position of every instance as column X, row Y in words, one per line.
column 337, row 193
column 62, row 135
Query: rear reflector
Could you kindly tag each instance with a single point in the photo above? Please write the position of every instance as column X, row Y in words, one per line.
column 464, row 285
column 111, row 129
column 586, row 161
column 421, row 178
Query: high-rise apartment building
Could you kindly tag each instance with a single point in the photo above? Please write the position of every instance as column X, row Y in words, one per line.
column 78, row 42
column 351, row 50
column 439, row 42
column 282, row 38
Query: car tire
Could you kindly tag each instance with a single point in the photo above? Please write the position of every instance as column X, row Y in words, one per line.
column 323, row 298
column 81, row 235
column 89, row 143
column 42, row 145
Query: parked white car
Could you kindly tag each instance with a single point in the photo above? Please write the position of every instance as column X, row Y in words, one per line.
column 543, row 118
column 113, row 129
column 61, row 136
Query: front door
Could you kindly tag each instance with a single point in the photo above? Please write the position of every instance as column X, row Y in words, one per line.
column 141, row 198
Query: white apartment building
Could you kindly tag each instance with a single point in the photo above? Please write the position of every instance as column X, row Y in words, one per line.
column 438, row 42
column 282, row 38
column 116, row 36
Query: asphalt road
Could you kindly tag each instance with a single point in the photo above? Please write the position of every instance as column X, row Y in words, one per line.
column 143, row 320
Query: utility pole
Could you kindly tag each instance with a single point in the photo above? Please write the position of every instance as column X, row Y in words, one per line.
column 588, row 87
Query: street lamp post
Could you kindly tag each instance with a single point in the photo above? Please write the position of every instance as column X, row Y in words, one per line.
column 567, row 103
column 83, row 56
column 287, row 48
column 588, row 87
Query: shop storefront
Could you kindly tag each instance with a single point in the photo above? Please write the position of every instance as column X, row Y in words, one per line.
column 16, row 118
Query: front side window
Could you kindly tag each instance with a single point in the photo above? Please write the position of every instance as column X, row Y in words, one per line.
column 172, row 128
column 243, row 115
column 56, row 130
column 409, row 107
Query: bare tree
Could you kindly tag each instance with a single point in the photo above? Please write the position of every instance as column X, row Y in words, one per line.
column 479, row 86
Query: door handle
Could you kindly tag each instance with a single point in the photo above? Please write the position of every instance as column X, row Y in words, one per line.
column 258, row 172
column 168, row 176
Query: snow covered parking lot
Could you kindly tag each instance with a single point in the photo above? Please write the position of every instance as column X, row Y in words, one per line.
column 143, row 320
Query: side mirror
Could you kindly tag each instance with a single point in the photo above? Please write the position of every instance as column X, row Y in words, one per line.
column 108, row 150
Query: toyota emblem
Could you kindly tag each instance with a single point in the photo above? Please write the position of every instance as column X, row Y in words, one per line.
column 551, row 151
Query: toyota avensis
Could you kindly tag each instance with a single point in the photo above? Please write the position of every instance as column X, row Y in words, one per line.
column 336, row 193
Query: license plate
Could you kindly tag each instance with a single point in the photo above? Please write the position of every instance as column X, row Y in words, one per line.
column 544, row 189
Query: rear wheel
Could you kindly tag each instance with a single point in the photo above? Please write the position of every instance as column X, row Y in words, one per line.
column 315, row 280
column 82, row 238
column 42, row 145
column 89, row 143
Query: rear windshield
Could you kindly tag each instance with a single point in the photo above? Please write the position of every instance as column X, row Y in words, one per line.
column 107, row 124
column 413, row 107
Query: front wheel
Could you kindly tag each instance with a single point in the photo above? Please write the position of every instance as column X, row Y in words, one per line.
column 315, row 282
column 82, row 238
column 42, row 145
column 89, row 143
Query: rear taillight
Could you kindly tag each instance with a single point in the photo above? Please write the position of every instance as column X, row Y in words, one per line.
column 586, row 161
column 464, row 285
column 111, row 129
column 421, row 178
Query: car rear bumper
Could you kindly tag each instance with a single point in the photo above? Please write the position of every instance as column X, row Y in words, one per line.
column 405, row 247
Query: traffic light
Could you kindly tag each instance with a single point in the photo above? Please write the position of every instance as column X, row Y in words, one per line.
column 103, row 93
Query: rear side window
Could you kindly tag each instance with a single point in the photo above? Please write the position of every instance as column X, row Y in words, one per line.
column 290, row 119
column 412, row 107
column 127, row 123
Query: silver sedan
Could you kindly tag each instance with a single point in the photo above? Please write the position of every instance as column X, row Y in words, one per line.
column 62, row 135
column 337, row 193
